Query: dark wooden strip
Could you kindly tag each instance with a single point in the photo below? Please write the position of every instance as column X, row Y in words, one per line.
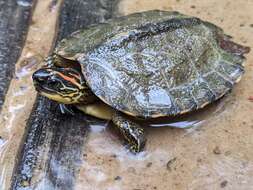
column 14, row 20
column 52, row 139
column 54, row 142
column 152, row 29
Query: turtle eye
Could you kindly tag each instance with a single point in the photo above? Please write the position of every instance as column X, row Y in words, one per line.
column 53, row 79
column 54, row 82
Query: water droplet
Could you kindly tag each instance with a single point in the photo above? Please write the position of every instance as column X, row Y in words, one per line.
column 97, row 128
column 26, row 66
column 1, row 141
column 179, row 124
column 24, row 3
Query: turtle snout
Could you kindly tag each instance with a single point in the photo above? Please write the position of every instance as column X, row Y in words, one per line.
column 41, row 76
column 45, row 80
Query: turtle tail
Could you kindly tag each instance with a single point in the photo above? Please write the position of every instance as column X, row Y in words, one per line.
column 229, row 46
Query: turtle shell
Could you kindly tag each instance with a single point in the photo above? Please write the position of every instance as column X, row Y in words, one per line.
column 81, row 41
column 156, row 63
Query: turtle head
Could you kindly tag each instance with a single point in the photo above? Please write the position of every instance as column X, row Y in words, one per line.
column 64, row 85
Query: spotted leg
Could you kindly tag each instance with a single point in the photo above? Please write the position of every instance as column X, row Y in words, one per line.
column 132, row 132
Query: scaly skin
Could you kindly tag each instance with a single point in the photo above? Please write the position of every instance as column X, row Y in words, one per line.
column 131, row 131
column 66, row 85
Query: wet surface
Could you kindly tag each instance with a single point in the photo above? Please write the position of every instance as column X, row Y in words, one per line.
column 13, row 28
column 216, row 153
column 53, row 148
column 21, row 95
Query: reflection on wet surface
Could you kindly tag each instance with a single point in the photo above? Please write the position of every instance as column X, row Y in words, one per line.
column 212, row 151
column 28, row 65
column 179, row 124
column 24, row 3
column 109, row 165
column 21, row 94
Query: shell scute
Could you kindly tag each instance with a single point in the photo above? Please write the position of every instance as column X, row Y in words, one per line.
column 217, row 83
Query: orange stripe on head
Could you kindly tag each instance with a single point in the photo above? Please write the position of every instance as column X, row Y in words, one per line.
column 75, row 75
column 72, row 80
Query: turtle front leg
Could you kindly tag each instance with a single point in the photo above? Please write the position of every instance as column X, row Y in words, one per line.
column 131, row 131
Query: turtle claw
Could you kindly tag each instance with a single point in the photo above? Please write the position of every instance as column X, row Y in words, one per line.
column 138, row 147
column 66, row 109
column 134, row 149
column 138, row 144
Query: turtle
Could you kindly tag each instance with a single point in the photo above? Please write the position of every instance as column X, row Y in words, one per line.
column 144, row 65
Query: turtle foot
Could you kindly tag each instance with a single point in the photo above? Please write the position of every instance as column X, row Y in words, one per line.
column 66, row 109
